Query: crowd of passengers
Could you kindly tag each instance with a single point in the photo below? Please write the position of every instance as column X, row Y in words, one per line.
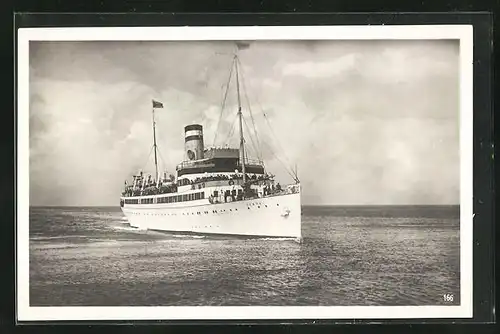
column 150, row 187
column 250, row 193
column 225, row 177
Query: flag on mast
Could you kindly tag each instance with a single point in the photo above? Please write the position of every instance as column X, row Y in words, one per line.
column 157, row 104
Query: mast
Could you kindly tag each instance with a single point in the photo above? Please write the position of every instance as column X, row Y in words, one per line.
column 242, row 140
column 154, row 145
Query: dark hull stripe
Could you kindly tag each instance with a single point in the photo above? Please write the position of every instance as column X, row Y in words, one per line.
column 195, row 137
column 193, row 127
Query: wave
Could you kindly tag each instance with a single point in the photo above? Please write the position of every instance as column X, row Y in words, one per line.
column 188, row 236
column 104, row 242
column 55, row 246
column 57, row 237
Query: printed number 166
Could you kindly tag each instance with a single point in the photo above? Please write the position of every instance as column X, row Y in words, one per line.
column 448, row 297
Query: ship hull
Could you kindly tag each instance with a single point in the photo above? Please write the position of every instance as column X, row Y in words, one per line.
column 274, row 216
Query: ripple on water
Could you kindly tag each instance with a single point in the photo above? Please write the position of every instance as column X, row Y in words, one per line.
column 89, row 257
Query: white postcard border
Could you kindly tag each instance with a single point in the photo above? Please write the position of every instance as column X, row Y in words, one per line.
column 408, row 32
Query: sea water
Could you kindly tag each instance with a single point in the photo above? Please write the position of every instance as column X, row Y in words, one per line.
column 405, row 255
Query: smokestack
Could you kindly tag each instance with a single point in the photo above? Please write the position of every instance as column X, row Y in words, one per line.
column 193, row 139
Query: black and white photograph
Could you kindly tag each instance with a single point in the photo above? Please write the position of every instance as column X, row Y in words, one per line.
column 244, row 173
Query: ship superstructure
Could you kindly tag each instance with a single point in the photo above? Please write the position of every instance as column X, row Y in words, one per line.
column 216, row 190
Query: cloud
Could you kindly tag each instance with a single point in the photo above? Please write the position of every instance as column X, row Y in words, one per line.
column 310, row 69
column 366, row 122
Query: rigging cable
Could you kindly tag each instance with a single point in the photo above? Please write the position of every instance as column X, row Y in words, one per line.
column 147, row 160
column 206, row 71
column 273, row 134
column 289, row 171
column 231, row 131
column 251, row 139
column 277, row 141
column 224, row 102
column 259, row 152
column 163, row 161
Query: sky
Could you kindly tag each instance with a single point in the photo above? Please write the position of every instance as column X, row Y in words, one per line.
column 365, row 122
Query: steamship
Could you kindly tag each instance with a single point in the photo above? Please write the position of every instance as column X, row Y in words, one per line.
column 215, row 190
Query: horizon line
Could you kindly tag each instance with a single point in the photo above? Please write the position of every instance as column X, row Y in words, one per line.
column 303, row 205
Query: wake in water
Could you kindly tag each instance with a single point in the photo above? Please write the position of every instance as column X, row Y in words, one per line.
column 127, row 228
column 274, row 239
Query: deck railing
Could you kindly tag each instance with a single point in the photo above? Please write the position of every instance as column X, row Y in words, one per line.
column 207, row 163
